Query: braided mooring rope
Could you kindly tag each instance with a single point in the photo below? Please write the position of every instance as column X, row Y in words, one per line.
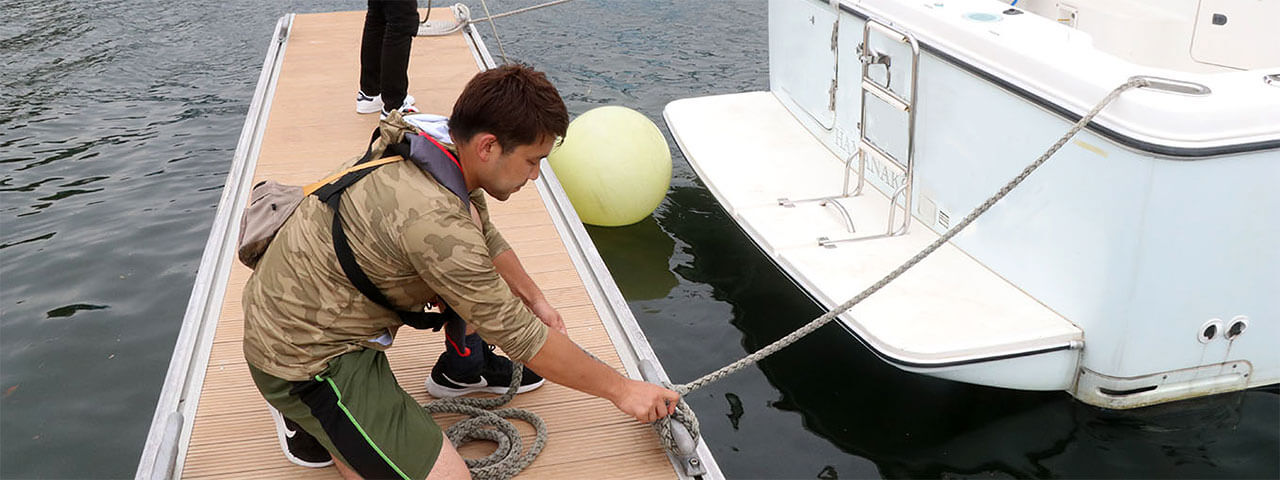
column 493, row 425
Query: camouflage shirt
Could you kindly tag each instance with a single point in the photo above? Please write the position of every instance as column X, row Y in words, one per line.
column 416, row 242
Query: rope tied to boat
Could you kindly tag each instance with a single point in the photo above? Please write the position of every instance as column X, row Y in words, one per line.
column 462, row 16
column 683, row 413
column 486, row 423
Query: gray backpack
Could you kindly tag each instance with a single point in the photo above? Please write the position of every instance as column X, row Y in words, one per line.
column 270, row 205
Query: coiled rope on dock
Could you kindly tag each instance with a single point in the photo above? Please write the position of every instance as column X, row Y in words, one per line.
column 486, row 423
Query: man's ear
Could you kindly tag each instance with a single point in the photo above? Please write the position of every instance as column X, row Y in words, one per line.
column 484, row 144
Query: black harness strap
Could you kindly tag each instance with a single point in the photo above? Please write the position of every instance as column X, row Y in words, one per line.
column 331, row 195
column 347, row 259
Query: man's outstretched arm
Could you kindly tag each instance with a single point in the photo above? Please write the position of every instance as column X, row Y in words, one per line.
column 563, row 362
column 454, row 261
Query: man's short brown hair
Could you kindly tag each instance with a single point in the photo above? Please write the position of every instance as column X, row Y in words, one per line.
column 513, row 102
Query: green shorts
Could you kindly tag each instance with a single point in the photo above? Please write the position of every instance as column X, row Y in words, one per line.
column 358, row 411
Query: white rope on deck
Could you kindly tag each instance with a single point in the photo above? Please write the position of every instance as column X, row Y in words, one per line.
column 462, row 16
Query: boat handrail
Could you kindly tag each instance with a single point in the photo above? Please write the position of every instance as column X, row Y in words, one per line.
column 867, row 57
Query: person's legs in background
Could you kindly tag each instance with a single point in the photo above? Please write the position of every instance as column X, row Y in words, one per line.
column 389, row 28
column 375, row 25
column 401, row 25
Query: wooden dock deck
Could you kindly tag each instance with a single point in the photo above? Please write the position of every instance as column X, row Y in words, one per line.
column 311, row 128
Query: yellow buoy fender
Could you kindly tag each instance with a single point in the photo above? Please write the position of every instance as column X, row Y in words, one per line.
column 614, row 165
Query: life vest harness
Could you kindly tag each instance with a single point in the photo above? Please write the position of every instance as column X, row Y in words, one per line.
column 272, row 203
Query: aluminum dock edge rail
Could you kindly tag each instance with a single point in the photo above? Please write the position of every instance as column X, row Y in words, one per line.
column 171, row 425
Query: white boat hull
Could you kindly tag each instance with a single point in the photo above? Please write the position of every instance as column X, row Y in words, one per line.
column 1098, row 276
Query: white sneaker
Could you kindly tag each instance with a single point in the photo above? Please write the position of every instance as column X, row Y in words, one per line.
column 367, row 104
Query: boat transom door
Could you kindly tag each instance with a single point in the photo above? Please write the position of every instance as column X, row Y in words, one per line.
column 806, row 72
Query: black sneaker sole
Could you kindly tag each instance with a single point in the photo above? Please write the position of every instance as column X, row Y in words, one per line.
column 442, row 391
column 284, row 445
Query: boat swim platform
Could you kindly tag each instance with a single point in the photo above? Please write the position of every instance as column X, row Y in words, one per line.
column 949, row 316
column 211, row 422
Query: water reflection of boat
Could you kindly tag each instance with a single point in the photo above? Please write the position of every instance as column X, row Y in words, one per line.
column 1202, row 439
column 921, row 427
column 898, row 425
column 1131, row 270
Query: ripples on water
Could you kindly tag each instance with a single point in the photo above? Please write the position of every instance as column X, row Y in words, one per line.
column 117, row 125
column 117, row 128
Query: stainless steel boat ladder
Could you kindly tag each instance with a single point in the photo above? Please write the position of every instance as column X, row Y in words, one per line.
column 901, row 198
column 870, row 57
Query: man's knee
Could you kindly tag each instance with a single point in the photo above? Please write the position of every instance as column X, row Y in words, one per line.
column 449, row 464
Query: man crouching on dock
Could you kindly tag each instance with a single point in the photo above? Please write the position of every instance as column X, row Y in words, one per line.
column 315, row 344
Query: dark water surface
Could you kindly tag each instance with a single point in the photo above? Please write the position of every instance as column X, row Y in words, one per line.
column 117, row 129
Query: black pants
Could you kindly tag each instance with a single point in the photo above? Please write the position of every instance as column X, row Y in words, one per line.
column 389, row 27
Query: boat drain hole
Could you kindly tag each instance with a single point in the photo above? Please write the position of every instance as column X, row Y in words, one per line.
column 1209, row 330
column 1238, row 325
